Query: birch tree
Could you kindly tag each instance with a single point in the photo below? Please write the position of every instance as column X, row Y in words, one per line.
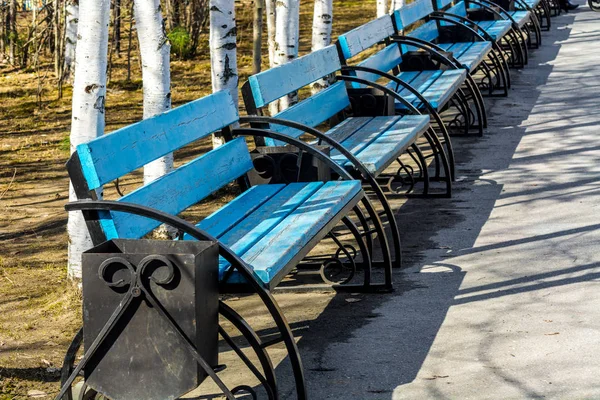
column 287, row 23
column 156, row 76
column 71, row 23
column 270, row 10
column 396, row 4
column 89, row 91
column 223, row 54
column 321, row 34
column 382, row 8
column 257, row 26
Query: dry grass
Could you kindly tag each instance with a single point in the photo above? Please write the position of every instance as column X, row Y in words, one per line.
column 39, row 309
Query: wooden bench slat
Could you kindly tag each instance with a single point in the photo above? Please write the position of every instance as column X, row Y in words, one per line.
column 250, row 230
column 272, row 256
column 181, row 188
column 436, row 86
column 359, row 39
column 411, row 13
column 127, row 149
column 276, row 82
column 469, row 54
column 364, row 137
column 313, row 110
column 394, row 141
column 347, row 127
column 222, row 220
column 384, row 60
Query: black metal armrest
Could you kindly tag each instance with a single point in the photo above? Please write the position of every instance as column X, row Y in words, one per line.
column 433, row 49
column 462, row 21
column 399, row 82
column 502, row 13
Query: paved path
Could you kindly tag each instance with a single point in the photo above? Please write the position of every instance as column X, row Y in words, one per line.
column 503, row 301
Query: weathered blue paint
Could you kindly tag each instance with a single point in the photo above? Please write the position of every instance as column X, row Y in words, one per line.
column 365, row 36
column 411, row 13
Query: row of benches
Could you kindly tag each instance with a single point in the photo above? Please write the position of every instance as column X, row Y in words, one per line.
column 427, row 58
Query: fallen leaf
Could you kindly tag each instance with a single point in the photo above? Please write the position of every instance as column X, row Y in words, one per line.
column 46, row 362
column 552, row 334
column 353, row 300
column 36, row 393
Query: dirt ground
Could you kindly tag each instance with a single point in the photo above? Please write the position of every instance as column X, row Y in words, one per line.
column 40, row 310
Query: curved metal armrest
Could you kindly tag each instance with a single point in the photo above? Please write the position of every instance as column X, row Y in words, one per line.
column 432, row 48
column 523, row 4
column 399, row 82
column 467, row 23
column 502, row 13
column 165, row 218
column 323, row 138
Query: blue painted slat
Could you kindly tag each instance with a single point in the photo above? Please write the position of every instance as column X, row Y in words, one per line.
column 384, row 60
column 347, row 127
column 471, row 53
column 272, row 254
column 419, row 81
column 222, row 220
column 428, row 32
column 411, row 13
column 436, row 86
column 443, row 3
column 359, row 39
column 364, row 137
column 127, row 149
column 394, row 141
column 313, row 110
column 521, row 17
column 185, row 186
column 281, row 80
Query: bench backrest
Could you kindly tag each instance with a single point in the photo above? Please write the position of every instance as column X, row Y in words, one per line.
column 407, row 15
column 354, row 42
column 270, row 85
column 123, row 151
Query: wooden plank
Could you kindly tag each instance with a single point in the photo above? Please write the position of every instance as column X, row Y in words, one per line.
column 428, row 32
column 184, row 187
column 276, row 82
column 436, row 86
column 388, row 146
column 127, row 149
column 360, row 39
column 420, row 82
column 264, row 219
column 458, row 9
column 313, row 110
column 384, row 60
column 411, row 13
column 347, row 127
column 364, row 136
column 222, row 220
column 271, row 256
column 442, row 3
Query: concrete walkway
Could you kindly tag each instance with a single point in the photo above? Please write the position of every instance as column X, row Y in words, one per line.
column 503, row 298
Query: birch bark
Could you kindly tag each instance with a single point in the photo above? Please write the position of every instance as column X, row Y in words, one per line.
column 223, row 55
column 89, row 91
column 71, row 24
column 382, row 8
column 321, row 34
column 287, row 14
column 156, row 75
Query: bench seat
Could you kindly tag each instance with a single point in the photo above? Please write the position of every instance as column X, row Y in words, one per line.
column 468, row 54
column 495, row 28
column 520, row 17
column 437, row 86
column 377, row 141
column 271, row 227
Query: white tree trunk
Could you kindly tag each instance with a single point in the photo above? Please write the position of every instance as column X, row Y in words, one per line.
column 321, row 34
column 396, row 4
column 271, row 18
column 223, row 55
column 286, row 39
column 89, row 91
column 382, row 8
column 156, row 75
column 71, row 22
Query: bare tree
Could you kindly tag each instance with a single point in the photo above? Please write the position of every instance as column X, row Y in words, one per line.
column 382, row 8
column 321, row 33
column 287, row 23
column 89, row 93
column 223, row 54
column 257, row 36
column 156, row 75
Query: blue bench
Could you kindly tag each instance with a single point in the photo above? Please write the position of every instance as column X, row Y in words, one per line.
column 364, row 146
column 475, row 55
column 263, row 233
column 503, row 32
